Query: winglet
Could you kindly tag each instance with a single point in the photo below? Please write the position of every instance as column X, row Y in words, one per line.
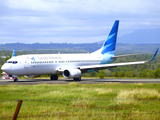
column 154, row 55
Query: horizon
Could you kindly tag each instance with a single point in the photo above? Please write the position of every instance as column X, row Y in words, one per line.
column 100, row 42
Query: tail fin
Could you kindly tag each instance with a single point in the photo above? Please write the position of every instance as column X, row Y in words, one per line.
column 110, row 44
column 14, row 53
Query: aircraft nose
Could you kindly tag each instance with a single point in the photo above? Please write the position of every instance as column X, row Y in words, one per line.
column 4, row 68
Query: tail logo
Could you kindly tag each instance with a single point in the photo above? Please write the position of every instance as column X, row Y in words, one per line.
column 110, row 43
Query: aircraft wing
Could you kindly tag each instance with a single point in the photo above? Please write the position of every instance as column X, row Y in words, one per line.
column 103, row 66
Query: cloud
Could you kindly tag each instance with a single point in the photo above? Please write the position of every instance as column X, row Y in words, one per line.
column 73, row 21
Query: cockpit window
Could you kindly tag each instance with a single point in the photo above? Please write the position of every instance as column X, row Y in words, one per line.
column 13, row 62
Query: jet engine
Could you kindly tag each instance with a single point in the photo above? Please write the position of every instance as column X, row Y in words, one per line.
column 71, row 73
column 31, row 76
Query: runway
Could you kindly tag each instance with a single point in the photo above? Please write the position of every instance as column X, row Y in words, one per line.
column 83, row 81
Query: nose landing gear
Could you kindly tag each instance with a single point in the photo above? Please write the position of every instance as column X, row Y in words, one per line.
column 15, row 79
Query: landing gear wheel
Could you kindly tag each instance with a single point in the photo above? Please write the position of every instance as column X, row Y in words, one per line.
column 15, row 79
column 54, row 77
column 77, row 79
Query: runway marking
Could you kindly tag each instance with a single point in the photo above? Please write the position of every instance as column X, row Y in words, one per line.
column 84, row 81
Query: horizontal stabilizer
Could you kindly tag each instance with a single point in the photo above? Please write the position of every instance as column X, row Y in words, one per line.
column 14, row 53
column 127, row 55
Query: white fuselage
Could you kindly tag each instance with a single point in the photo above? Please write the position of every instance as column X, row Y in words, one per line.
column 42, row 64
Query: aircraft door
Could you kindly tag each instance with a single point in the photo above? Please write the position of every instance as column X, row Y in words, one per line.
column 26, row 64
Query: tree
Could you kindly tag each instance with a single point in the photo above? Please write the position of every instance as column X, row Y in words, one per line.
column 120, row 74
column 93, row 74
column 114, row 74
column 147, row 73
column 7, row 58
column 157, row 73
column 143, row 73
column 0, row 71
column 129, row 74
column 101, row 74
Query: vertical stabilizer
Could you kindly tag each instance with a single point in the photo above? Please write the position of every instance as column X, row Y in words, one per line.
column 14, row 53
column 110, row 44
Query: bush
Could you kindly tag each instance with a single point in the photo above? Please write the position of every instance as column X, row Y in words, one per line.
column 101, row 74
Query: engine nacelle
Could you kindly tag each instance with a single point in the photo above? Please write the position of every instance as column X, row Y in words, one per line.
column 72, row 73
column 31, row 76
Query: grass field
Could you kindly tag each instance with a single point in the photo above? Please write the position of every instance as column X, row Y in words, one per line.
column 82, row 101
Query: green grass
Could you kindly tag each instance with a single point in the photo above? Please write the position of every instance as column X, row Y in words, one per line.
column 82, row 101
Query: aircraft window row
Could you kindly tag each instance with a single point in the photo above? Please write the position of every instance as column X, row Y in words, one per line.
column 61, row 61
column 73, row 61
column 83, row 61
column 42, row 62
column 13, row 62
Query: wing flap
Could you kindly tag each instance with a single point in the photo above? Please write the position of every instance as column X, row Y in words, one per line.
column 119, row 56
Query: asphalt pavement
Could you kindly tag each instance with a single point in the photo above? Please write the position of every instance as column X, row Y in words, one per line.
column 83, row 81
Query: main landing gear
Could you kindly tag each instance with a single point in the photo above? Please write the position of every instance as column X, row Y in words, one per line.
column 54, row 77
column 77, row 79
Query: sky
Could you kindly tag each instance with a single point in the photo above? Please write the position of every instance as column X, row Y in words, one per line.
column 73, row 21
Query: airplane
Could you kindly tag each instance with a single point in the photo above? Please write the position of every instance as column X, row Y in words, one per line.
column 68, row 65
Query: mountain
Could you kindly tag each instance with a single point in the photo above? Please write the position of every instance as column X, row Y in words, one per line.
column 143, row 36
column 85, row 47
column 147, row 40
column 50, row 46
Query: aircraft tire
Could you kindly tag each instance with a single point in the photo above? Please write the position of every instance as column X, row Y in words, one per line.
column 54, row 77
column 15, row 79
column 77, row 79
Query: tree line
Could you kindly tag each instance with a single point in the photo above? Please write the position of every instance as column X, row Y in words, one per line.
column 146, row 73
column 148, row 70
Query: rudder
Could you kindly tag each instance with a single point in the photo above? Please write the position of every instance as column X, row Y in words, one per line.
column 110, row 43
